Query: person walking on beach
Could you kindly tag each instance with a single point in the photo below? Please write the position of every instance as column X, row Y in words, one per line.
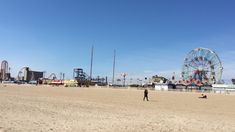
column 146, row 95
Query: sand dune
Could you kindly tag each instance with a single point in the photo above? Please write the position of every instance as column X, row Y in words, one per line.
column 41, row 108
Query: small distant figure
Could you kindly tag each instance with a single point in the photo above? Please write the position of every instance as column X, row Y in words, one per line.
column 146, row 95
column 204, row 96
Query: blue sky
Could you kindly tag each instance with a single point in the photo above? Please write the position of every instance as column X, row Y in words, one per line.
column 150, row 36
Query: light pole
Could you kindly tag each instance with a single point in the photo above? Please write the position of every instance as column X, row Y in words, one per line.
column 124, row 79
column 9, row 77
column 91, row 68
column 63, row 75
column 60, row 75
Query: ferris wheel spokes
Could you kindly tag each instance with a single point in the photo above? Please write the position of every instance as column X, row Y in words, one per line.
column 203, row 65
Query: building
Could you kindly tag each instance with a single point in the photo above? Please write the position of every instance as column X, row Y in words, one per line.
column 29, row 75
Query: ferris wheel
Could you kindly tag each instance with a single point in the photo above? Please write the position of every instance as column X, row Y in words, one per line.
column 202, row 65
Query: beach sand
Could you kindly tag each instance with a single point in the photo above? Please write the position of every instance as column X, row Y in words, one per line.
column 26, row 108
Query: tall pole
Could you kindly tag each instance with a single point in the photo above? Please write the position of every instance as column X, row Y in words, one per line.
column 91, row 68
column 63, row 76
column 114, row 63
column 60, row 75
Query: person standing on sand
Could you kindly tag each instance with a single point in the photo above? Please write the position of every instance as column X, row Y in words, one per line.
column 146, row 95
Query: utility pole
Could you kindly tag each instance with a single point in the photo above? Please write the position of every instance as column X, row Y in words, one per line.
column 63, row 76
column 91, row 68
column 114, row 65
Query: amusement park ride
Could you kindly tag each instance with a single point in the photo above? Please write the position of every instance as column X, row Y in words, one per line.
column 201, row 67
column 84, row 80
column 80, row 78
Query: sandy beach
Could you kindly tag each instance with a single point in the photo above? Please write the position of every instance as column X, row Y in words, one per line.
column 42, row 108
